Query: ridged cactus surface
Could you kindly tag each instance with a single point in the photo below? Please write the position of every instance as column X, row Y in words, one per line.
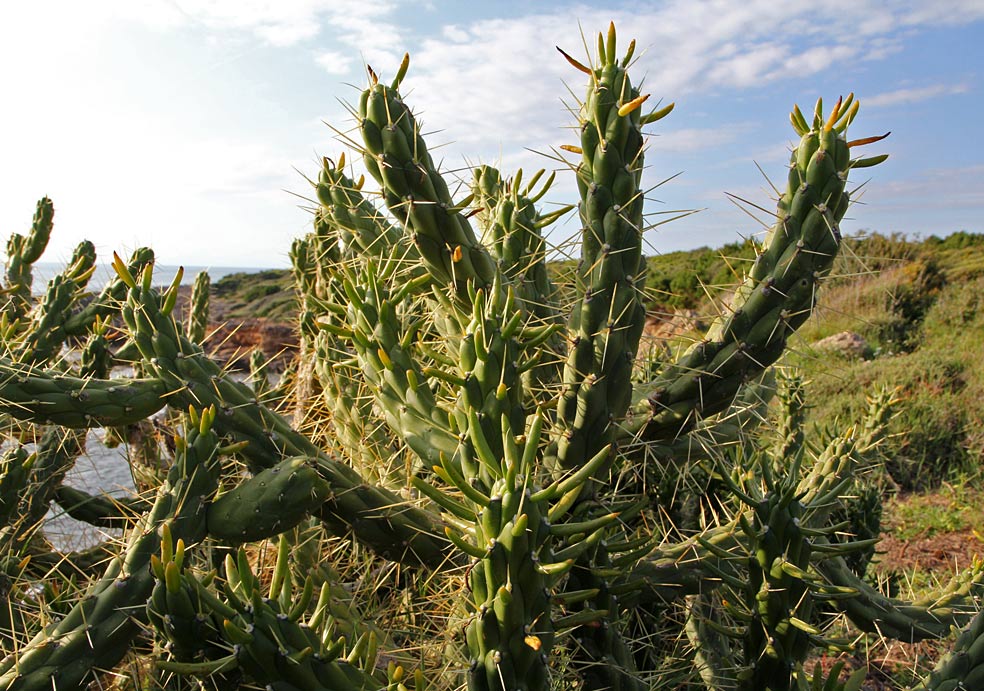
column 461, row 483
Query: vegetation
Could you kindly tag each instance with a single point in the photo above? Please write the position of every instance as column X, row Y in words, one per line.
column 268, row 294
column 477, row 483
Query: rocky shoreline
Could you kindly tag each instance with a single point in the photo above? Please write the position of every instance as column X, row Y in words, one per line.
column 230, row 340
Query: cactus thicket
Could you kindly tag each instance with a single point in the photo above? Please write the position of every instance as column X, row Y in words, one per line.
column 469, row 478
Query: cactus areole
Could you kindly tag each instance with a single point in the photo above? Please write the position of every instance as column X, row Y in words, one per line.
column 461, row 482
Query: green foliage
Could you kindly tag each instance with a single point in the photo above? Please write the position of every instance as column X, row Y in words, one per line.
column 953, row 508
column 682, row 280
column 935, row 436
column 268, row 294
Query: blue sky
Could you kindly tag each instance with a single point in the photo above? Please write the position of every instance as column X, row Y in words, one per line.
column 187, row 125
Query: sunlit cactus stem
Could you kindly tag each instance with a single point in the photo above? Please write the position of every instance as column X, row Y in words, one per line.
column 197, row 320
column 98, row 631
column 780, row 291
column 22, row 253
column 607, row 319
column 467, row 473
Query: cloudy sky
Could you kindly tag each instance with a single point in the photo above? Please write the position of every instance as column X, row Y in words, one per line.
column 189, row 125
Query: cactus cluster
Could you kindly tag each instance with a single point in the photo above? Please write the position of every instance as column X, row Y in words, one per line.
column 461, row 481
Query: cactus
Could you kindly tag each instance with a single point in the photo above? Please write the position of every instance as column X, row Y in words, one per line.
column 471, row 484
column 22, row 253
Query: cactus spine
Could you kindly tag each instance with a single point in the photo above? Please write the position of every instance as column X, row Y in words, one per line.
column 460, row 435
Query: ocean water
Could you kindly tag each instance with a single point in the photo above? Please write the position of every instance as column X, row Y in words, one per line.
column 100, row 469
column 163, row 274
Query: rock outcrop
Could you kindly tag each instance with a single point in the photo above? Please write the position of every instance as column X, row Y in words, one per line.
column 847, row 343
column 232, row 342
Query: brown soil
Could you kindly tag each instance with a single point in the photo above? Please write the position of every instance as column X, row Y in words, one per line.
column 933, row 550
column 230, row 341
column 937, row 554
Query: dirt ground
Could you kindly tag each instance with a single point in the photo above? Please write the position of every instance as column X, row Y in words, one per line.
column 931, row 555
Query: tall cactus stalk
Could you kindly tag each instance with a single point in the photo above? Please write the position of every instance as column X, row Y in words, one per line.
column 463, row 493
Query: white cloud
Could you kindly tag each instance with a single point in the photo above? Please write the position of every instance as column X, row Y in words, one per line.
column 915, row 94
column 334, row 62
column 949, row 13
column 496, row 80
column 696, row 138
column 280, row 23
column 939, row 188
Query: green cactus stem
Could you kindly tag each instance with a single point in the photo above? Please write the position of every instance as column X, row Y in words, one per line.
column 261, row 635
column 100, row 510
column 56, row 452
column 196, row 326
column 46, row 332
column 22, row 253
column 362, row 229
column 929, row 617
column 269, row 503
column 606, row 321
column 780, row 291
column 604, row 326
column 382, row 520
column 98, row 631
column 107, row 302
column 397, row 157
column 45, row 396
column 962, row 668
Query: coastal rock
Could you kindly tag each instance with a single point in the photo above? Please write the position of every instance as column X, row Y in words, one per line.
column 662, row 326
column 231, row 343
column 847, row 343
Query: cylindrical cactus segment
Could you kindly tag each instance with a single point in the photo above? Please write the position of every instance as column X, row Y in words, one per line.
column 269, row 503
column 512, row 230
column 196, row 325
column 100, row 510
column 416, row 193
column 792, row 414
column 780, row 291
column 962, row 668
column 380, row 341
column 606, row 322
column 97, row 358
column 362, row 228
column 22, row 253
column 930, row 617
column 491, row 388
column 98, row 631
column 30, row 393
column 713, row 653
column 778, row 593
column 14, row 468
column 46, row 333
column 179, row 608
column 510, row 633
column 605, row 325
column 108, row 301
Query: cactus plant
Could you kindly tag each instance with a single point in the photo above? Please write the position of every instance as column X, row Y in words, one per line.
column 463, row 492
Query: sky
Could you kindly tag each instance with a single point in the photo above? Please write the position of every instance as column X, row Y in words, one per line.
column 192, row 126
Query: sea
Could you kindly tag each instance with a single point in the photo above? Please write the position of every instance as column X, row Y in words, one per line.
column 163, row 274
column 99, row 469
